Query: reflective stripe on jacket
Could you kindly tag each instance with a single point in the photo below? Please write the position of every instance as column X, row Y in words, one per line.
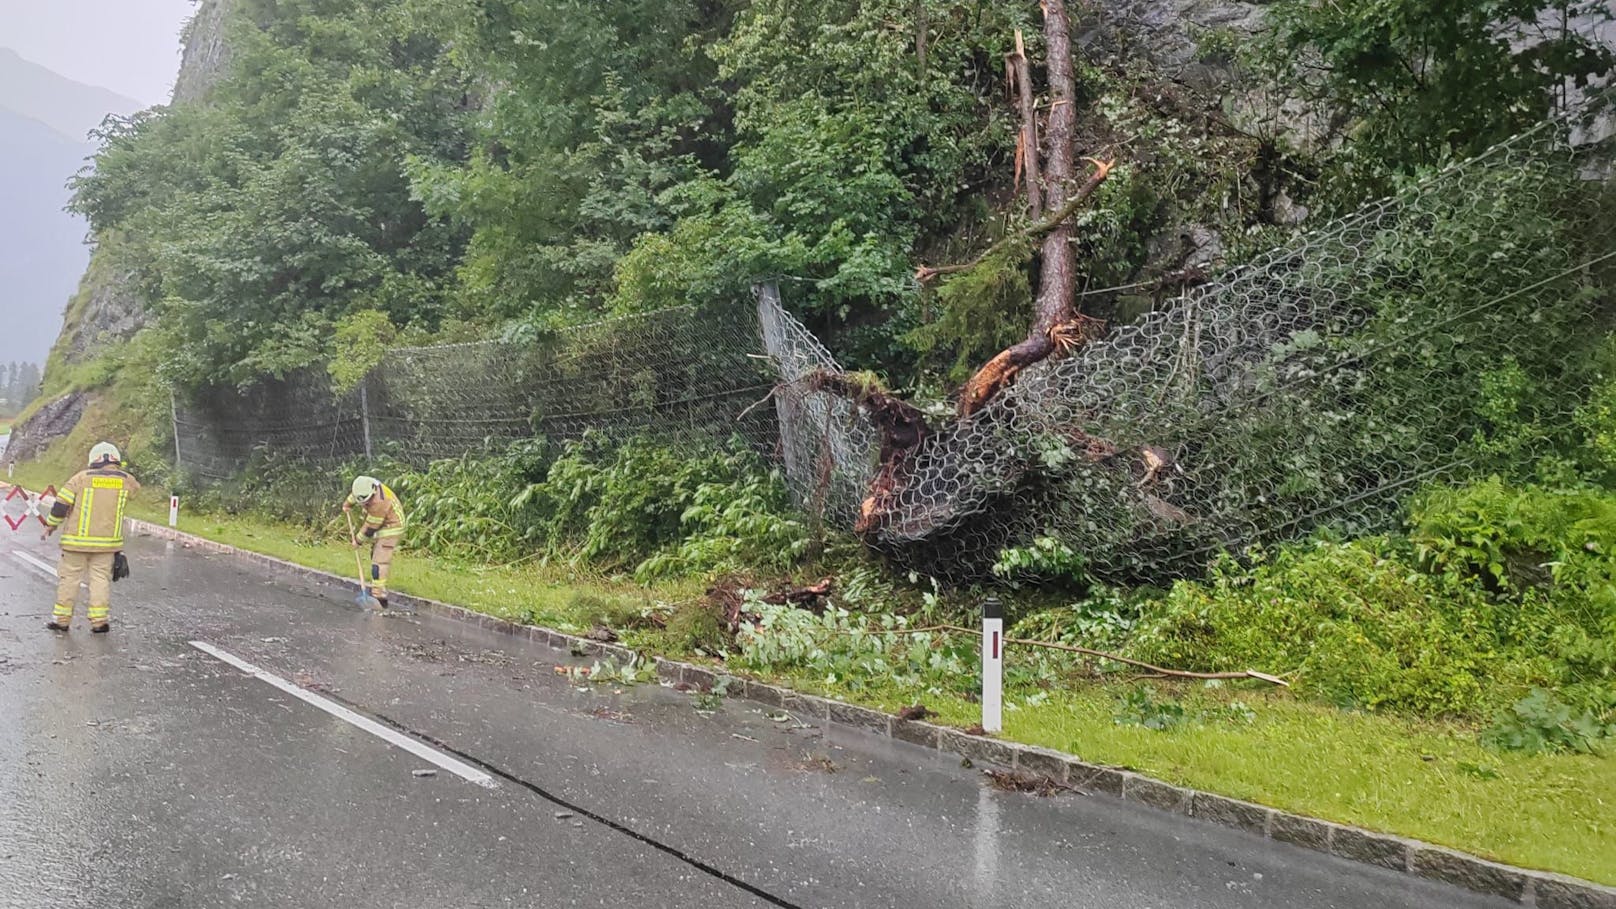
column 384, row 516
column 96, row 500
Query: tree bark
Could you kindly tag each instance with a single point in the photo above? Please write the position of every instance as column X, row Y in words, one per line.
column 1060, row 262
column 922, row 30
column 1021, row 77
column 1055, row 326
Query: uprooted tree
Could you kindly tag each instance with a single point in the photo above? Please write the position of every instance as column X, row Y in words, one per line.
column 1054, row 194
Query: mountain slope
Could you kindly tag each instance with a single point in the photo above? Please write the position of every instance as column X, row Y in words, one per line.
column 68, row 107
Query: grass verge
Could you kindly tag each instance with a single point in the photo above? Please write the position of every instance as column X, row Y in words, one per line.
column 1424, row 780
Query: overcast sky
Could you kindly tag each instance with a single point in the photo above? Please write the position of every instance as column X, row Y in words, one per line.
column 129, row 46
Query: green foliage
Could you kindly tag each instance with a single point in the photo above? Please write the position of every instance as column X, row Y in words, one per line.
column 260, row 217
column 1140, row 707
column 1103, row 621
column 696, row 627
column 984, row 310
column 636, row 506
column 745, row 523
column 614, row 612
column 1046, row 559
column 1419, row 81
column 360, row 341
column 1496, row 591
column 857, row 652
column 1541, row 722
column 1353, row 624
column 1526, row 542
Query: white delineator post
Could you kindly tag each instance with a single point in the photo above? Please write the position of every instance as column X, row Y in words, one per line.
column 992, row 665
column 173, row 511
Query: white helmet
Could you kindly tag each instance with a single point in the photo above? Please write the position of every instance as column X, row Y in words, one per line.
column 103, row 453
column 364, row 488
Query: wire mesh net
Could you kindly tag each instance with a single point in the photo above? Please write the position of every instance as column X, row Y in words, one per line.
column 1428, row 335
column 682, row 376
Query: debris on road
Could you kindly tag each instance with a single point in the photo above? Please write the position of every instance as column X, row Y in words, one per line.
column 818, row 762
column 562, row 815
column 610, row 715
column 1018, row 781
column 418, row 774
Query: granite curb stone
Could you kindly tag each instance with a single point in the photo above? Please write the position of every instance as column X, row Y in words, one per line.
column 1231, row 812
column 1156, row 794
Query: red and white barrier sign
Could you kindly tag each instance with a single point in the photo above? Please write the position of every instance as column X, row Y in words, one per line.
column 173, row 511
column 20, row 505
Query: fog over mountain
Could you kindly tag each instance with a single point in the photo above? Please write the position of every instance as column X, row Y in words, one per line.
column 45, row 120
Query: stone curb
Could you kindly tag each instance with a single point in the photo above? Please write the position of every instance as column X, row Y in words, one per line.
column 1543, row 890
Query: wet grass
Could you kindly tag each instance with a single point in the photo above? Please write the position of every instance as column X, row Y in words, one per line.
column 1424, row 780
column 1429, row 781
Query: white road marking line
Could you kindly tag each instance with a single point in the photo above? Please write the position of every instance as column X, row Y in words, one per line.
column 35, row 563
column 390, row 736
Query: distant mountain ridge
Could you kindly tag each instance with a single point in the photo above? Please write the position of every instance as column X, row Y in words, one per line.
column 71, row 108
column 45, row 120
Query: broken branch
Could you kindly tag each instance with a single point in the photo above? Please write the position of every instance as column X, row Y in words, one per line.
column 1102, row 169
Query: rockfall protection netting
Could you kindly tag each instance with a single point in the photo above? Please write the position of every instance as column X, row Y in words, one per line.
column 1439, row 333
column 684, row 376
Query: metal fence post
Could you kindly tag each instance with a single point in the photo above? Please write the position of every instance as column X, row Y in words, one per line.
column 174, row 420
column 364, row 415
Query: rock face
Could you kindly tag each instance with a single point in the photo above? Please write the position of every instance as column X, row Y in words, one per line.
column 49, row 423
column 105, row 311
column 1170, row 33
column 205, row 51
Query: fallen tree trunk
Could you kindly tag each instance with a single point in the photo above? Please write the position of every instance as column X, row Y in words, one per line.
column 1057, row 328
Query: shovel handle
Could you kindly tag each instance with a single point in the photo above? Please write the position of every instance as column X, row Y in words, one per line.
column 358, row 562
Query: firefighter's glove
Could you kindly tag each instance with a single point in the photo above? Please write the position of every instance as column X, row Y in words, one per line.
column 120, row 566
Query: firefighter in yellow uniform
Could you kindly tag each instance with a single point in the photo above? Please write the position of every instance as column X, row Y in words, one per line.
column 383, row 527
column 90, row 506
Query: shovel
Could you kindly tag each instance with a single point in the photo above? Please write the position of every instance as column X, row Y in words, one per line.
column 364, row 600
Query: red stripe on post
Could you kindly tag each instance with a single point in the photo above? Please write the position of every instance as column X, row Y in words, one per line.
column 995, row 645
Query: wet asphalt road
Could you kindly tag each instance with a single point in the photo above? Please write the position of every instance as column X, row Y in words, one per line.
column 139, row 771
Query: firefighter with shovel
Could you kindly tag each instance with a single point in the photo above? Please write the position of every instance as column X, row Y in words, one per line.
column 382, row 528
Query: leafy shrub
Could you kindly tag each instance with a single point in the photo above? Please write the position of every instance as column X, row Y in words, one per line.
column 1104, row 620
column 1542, row 722
column 1140, row 707
column 615, row 612
column 635, row 505
column 1521, row 541
column 464, row 507
column 1497, row 590
column 744, row 523
column 696, row 627
column 1355, row 624
column 1045, row 558
column 857, row 652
